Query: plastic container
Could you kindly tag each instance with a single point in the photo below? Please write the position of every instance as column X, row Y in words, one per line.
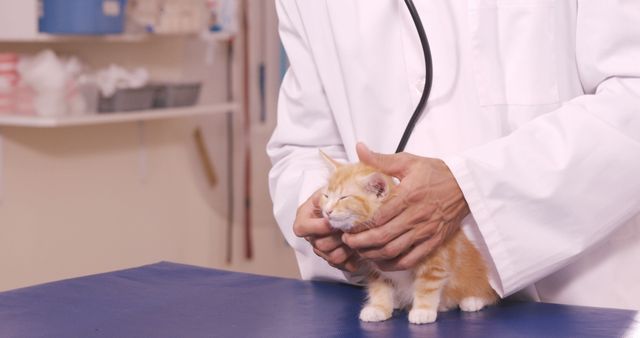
column 128, row 100
column 82, row 16
column 176, row 95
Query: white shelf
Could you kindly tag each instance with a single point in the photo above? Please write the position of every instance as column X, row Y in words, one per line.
column 94, row 119
column 51, row 38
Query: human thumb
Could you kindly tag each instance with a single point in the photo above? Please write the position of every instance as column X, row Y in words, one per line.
column 389, row 164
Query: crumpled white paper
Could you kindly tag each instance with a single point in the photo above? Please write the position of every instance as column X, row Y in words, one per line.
column 114, row 77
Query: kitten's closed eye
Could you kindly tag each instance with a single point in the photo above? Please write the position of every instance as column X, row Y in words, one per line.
column 341, row 197
column 353, row 193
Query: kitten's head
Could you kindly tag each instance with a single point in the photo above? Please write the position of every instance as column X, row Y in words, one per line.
column 354, row 193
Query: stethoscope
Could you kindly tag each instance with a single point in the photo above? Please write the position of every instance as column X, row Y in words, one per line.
column 428, row 80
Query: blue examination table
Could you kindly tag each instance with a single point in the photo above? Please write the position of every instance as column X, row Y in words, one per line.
column 173, row 300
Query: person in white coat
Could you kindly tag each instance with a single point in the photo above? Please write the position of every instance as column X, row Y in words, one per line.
column 532, row 132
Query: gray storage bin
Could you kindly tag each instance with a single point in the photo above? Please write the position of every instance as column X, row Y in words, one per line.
column 128, row 100
column 176, row 95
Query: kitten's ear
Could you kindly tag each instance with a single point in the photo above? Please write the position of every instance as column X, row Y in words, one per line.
column 376, row 184
column 333, row 164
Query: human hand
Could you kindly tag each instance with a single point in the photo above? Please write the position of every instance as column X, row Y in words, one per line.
column 423, row 210
column 325, row 240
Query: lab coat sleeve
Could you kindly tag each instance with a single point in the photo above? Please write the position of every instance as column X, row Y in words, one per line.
column 304, row 125
column 561, row 183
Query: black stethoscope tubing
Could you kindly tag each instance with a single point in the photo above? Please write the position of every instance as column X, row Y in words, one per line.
column 428, row 62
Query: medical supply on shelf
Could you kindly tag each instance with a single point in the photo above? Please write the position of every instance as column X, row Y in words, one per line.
column 9, row 79
column 176, row 94
column 8, row 62
column 227, row 15
column 114, row 77
column 124, row 90
column 82, row 16
column 213, row 7
column 142, row 16
column 167, row 16
column 53, row 83
column 129, row 99
column 45, row 84
column 185, row 16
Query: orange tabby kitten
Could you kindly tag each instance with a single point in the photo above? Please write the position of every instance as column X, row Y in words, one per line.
column 453, row 275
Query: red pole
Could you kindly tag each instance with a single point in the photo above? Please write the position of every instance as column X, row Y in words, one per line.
column 247, row 132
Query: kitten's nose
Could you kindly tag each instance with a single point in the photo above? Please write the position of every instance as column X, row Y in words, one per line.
column 329, row 212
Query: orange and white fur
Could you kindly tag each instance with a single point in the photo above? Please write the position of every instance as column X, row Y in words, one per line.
column 454, row 275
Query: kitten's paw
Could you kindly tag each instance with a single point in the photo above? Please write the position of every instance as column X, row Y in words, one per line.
column 422, row 316
column 472, row 304
column 372, row 313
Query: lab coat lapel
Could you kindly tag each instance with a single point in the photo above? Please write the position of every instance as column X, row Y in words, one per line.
column 374, row 87
column 326, row 57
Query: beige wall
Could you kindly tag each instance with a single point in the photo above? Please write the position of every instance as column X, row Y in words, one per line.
column 76, row 201
column 82, row 200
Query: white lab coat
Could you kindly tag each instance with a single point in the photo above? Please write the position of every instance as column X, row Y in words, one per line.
column 535, row 108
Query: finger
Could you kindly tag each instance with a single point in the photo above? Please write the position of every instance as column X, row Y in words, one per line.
column 312, row 227
column 307, row 209
column 354, row 263
column 413, row 257
column 391, row 208
column 336, row 257
column 392, row 249
column 373, row 238
column 394, row 165
column 315, row 199
column 351, row 265
column 327, row 243
column 381, row 235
